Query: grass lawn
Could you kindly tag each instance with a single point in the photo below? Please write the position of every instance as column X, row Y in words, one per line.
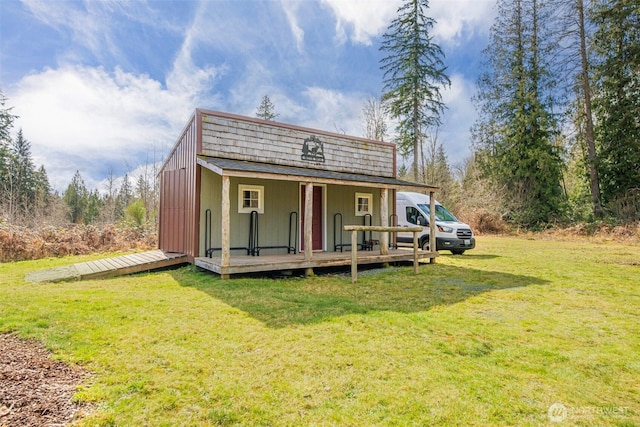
column 493, row 337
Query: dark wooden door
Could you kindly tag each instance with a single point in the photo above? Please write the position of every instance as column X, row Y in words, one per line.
column 172, row 226
column 317, row 232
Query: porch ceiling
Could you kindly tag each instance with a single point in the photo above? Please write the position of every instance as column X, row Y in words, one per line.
column 245, row 169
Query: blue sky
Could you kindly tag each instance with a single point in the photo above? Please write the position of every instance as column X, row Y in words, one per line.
column 106, row 86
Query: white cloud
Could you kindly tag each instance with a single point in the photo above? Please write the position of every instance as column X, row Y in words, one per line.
column 88, row 119
column 367, row 18
column 454, row 17
column 290, row 9
column 370, row 18
column 333, row 111
column 458, row 118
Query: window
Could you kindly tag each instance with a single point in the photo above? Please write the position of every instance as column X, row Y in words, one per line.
column 364, row 204
column 250, row 198
column 412, row 215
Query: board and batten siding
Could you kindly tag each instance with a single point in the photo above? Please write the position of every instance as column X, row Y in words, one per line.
column 180, row 194
column 280, row 199
column 231, row 137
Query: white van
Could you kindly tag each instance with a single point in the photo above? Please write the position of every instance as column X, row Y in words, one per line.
column 452, row 235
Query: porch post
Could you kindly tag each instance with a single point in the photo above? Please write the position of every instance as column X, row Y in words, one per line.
column 225, row 214
column 432, row 225
column 384, row 221
column 308, row 224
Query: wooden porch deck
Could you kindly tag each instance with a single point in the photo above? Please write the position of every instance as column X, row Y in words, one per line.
column 253, row 264
column 109, row 267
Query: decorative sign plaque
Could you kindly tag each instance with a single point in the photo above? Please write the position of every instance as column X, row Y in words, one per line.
column 313, row 150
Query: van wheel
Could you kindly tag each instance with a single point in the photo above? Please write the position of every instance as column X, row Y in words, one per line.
column 457, row 251
column 424, row 245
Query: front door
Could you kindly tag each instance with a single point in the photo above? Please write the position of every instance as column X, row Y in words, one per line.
column 317, row 232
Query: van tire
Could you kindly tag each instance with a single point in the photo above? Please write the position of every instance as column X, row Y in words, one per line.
column 457, row 251
column 424, row 244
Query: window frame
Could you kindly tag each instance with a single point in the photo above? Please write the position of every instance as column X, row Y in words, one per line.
column 369, row 197
column 248, row 187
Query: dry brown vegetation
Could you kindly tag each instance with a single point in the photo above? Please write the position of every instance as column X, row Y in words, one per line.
column 485, row 222
column 628, row 233
column 23, row 243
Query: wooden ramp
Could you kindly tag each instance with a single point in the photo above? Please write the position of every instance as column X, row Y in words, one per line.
column 108, row 267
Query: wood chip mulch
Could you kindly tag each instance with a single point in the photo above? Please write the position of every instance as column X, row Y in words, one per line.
column 34, row 389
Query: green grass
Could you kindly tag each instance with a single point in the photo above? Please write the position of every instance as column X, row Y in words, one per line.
column 493, row 337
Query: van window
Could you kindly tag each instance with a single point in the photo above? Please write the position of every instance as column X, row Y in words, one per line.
column 413, row 214
column 442, row 214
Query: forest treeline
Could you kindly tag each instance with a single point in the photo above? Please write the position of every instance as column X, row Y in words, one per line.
column 557, row 139
column 27, row 199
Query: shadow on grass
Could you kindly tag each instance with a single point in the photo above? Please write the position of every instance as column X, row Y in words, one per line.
column 283, row 302
column 473, row 256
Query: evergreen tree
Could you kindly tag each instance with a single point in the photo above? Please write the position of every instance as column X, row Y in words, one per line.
column 617, row 100
column 414, row 73
column 266, row 109
column 23, row 171
column 42, row 191
column 6, row 155
column 93, row 207
column 75, row 197
column 145, row 192
column 125, row 197
column 6, row 121
column 515, row 136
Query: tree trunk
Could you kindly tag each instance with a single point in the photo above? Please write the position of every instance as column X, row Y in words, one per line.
column 589, row 132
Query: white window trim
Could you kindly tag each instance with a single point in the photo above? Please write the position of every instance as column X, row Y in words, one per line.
column 245, row 187
column 368, row 196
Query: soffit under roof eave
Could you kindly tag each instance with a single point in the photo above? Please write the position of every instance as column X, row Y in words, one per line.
column 360, row 181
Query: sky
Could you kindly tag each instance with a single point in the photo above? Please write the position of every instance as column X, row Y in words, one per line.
column 106, row 86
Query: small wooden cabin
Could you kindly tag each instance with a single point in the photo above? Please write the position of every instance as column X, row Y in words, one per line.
column 241, row 194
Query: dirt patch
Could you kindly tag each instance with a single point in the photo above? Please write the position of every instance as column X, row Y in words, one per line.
column 34, row 389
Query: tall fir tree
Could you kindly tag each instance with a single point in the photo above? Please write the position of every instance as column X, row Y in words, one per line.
column 23, row 180
column 414, row 74
column 515, row 135
column 6, row 154
column 617, row 101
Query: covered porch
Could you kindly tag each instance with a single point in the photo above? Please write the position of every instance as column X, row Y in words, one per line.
column 294, row 189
